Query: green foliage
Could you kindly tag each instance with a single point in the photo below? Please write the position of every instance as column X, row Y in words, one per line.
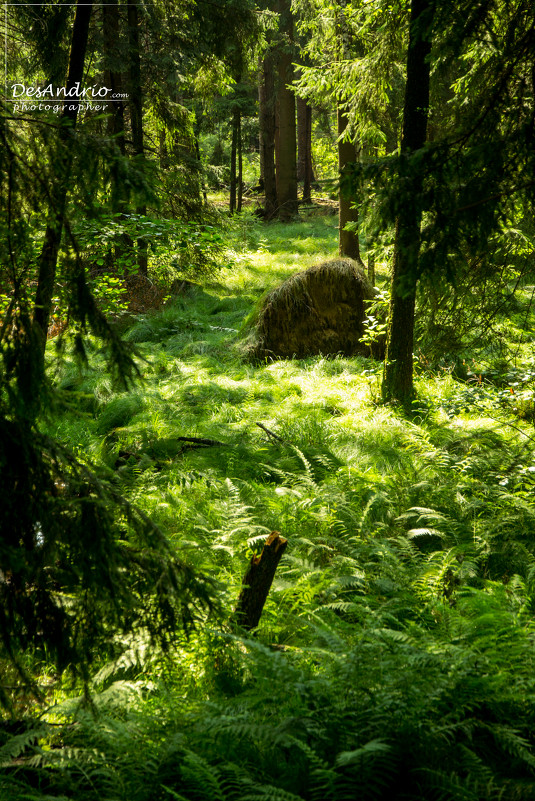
column 178, row 248
column 376, row 320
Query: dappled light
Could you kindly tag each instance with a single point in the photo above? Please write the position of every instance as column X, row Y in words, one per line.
column 267, row 401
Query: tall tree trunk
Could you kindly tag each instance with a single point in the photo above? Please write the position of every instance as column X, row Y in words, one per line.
column 114, row 79
column 398, row 378
column 136, row 112
column 286, row 139
column 59, row 190
column 197, row 133
column 233, row 151
column 240, row 165
column 348, row 241
column 305, row 172
column 113, row 58
column 266, row 96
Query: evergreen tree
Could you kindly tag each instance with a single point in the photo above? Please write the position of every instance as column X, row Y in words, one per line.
column 397, row 383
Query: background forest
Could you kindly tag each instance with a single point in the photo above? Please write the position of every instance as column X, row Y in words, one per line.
column 165, row 164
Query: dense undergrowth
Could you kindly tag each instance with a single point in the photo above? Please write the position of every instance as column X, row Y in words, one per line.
column 395, row 655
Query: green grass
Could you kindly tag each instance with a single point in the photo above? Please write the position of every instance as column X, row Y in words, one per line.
column 394, row 655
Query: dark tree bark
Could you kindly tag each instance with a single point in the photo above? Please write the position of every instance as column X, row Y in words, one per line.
column 233, row 151
column 348, row 241
column 114, row 79
column 371, row 269
column 236, row 163
column 113, row 61
column 266, row 97
column 59, row 190
column 240, row 166
column 198, row 156
column 286, row 137
column 305, row 172
column 398, row 371
column 257, row 581
column 136, row 112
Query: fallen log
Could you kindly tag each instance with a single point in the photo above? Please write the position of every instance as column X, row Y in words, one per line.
column 257, row 581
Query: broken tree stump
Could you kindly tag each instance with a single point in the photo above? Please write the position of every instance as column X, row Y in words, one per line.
column 257, row 581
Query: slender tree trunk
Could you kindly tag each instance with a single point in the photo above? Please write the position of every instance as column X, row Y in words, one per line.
column 260, row 137
column 286, row 139
column 240, row 165
column 58, row 194
column 198, row 156
column 236, row 164
column 371, row 269
column 398, row 371
column 233, row 151
column 305, row 172
column 136, row 112
column 348, row 241
column 197, row 132
column 267, row 132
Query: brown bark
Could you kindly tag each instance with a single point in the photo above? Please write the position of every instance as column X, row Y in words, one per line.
column 286, row 137
column 233, row 150
column 257, row 581
column 266, row 97
column 236, row 163
column 348, row 241
column 398, row 371
column 136, row 113
column 305, row 172
column 58, row 194
column 113, row 62
column 240, row 166
column 114, row 79
column 371, row 269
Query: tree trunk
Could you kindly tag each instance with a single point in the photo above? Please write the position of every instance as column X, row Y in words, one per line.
column 233, row 150
column 348, row 241
column 260, row 138
column 197, row 133
column 286, row 138
column 58, row 194
column 236, row 163
column 240, row 165
column 198, row 157
column 398, row 378
column 266, row 96
column 136, row 113
column 371, row 269
column 257, row 581
column 305, row 172
column 114, row 81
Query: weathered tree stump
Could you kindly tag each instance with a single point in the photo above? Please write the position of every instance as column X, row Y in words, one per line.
column 257, row 581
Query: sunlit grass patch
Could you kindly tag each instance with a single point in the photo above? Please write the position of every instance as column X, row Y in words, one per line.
column 303, row 447
column 279, row 250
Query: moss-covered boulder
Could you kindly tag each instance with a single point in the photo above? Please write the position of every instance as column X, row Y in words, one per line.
column 318, row 311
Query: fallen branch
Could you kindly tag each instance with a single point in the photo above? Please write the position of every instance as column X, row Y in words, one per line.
column 200, row 441
column 257, row 581
column 272, row 434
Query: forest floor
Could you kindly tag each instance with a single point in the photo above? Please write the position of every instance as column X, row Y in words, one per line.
column 396, row 646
